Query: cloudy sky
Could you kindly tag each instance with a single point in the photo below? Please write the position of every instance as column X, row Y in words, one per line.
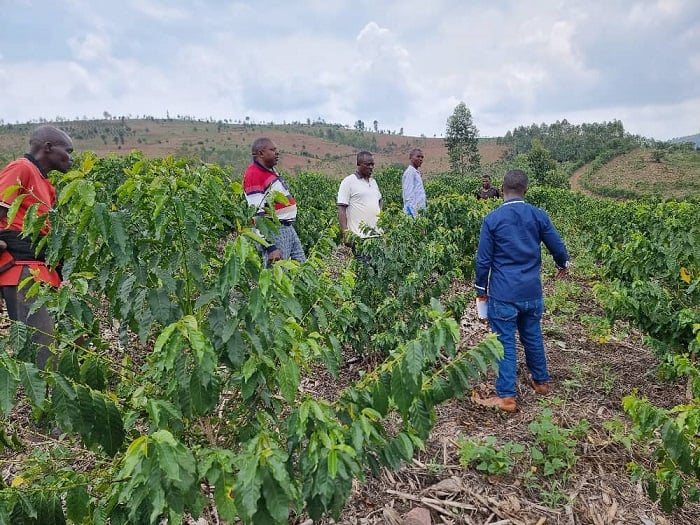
column 403, row 63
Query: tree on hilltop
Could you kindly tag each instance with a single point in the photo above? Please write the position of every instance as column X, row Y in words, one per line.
column 462, row 141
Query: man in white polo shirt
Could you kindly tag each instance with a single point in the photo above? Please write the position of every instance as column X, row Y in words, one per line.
column 359, row 201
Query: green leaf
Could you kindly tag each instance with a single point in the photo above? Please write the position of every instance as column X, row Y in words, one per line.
column 413, row 359
column 68, row 364
column 677, row 446
column 63, row 398
column 275, row 501
column 289, row 379
column 8, row 388
column 77, row 504
column 399, row 390
column 34, row 385
column 380, row 398
column 160, row 305
column 92, row 373
column 404, row 446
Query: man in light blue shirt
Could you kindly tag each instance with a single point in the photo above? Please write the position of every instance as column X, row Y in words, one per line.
column 412, row 184
column 508, row 263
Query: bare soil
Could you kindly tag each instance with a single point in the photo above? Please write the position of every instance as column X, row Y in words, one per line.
column 589, row 379
column 676, row 175
column 300, row 149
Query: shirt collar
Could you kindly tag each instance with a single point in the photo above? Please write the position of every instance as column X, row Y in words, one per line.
column 271, row 170
column 514, row 200
column 31, row 159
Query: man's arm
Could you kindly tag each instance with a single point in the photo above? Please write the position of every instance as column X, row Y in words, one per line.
column 555, row 245
column 343, row 221
column 484, row 259
column 409, row 192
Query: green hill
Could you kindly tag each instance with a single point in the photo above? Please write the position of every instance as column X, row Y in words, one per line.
column 695, row 139
column 323, row 148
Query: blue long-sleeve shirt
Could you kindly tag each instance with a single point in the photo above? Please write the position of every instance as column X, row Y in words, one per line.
column 509, row 256
column 412, row 191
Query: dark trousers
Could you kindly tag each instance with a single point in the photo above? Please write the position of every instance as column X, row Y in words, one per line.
column 40, row 322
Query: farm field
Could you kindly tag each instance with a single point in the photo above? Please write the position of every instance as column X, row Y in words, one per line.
column 589, row 380
column 637, row 174
column 207, row 379
column 301, row 149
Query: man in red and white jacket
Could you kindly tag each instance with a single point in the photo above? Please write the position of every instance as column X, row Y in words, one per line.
column 260, row 182
column 26, row 179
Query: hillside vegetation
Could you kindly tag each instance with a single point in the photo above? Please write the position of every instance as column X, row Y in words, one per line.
column 322, row 148
column 641, row 173
column 599, row 159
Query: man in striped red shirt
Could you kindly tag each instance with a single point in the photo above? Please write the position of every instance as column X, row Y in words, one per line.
column 261, row 182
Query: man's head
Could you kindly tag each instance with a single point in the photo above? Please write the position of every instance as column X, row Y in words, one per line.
column 515, row 183
column 486, row 182
column 416, row 157
column 365, row 164
column 265, row 152
column 51, row 148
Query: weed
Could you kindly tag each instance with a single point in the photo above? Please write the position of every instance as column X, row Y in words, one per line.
column 559, row 301
column 618, row 432
column 598, row 328
column 606, row 379
column 554, row 450
column 487, row 456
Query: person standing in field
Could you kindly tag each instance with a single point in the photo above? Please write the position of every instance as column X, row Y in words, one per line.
column 487, row 191
column 508, row 263
column 27, row 180
column 359, row 201
column 412, row 188
column 260, row 182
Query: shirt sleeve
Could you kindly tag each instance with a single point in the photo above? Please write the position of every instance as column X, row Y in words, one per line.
column 12, row 175
column 484, row 258
column 344, row 192
column 553, row 241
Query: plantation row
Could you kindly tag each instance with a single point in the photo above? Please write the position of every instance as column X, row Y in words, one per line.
column 195, row 400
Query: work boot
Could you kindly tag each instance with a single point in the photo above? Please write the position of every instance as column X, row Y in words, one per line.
column 506, row 404
column 541, row 388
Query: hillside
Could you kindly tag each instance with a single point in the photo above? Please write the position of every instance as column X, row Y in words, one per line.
column 322, row 148
column 638, row 174
column 690, row 138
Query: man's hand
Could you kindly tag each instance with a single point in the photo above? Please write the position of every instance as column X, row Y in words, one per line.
column 3, row 246
column 563, row 271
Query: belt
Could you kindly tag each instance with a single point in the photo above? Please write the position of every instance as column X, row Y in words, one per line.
column 289, row 222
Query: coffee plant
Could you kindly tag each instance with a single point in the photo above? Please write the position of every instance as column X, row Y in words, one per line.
column 177, row 383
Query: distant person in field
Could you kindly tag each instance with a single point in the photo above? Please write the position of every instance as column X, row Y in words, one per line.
column 508, row 263
column 359, row 202
column 27, row 178
column 260, row 183
column 487, row 191
column 412, row 188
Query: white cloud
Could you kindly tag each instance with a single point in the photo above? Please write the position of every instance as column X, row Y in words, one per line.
column 158, row 10
column 91, row 47
column 406, row 64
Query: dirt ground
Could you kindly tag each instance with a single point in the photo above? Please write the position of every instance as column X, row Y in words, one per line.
column 589, row 379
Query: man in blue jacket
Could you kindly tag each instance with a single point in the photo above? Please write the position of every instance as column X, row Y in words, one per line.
column 508, row 263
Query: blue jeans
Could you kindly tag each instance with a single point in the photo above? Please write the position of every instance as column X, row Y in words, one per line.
column 525, row 316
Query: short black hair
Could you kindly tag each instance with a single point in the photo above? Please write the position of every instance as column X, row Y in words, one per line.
column 363, row 155
column 515, row 181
